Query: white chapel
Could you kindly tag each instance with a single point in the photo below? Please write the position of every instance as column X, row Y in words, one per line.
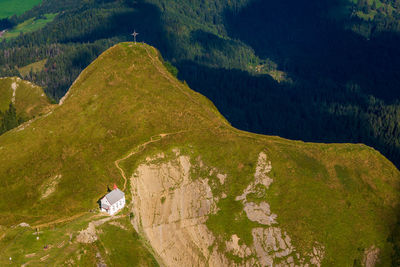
column 113, row 202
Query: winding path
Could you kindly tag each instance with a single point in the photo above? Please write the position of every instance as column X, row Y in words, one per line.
column 140, row 148
column 59, row 220
column 153, row 139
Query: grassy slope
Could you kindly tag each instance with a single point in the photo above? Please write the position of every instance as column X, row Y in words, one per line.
column 16, row 7
column 344, row 196
column 29, row 25
column 5, row 93
column 34, row 67
column 30, row 100
column 123, row 246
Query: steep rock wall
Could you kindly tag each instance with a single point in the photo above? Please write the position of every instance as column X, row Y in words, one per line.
column 171, row 209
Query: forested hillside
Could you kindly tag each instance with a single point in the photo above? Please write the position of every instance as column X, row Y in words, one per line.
column 310, row 70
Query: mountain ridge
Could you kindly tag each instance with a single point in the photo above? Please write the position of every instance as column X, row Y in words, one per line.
column 232, row 187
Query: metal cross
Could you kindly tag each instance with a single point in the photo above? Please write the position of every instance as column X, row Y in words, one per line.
column 134, row 34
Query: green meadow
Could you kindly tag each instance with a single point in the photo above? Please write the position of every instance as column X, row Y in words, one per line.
column 34, row 67
column 16, row 7
column 29, row 25
column 117, row 244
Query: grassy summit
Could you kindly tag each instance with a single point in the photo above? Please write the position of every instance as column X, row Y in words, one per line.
column 343, row 197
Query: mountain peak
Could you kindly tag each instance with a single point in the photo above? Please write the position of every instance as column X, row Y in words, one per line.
column 189, row 176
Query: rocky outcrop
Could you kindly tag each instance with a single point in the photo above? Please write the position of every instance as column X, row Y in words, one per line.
column 171, row 209
column 88, row 235
column 371, row 256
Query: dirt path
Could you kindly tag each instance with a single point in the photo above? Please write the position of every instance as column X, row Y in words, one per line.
column 59, row 220
column 138, row 149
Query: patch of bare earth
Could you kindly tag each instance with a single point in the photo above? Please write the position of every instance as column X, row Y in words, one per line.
column 50, row 186
column 371, row 256
column 89, row 235
column 118, row 224
column 14, row 87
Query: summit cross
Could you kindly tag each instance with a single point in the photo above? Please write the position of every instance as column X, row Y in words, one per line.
column 134, row 34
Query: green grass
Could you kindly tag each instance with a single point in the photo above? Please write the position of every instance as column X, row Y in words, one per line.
column 29, row 25
column 343, row 191
column 21, row 241
column 34, row 67
column 342, row 196
column 230, row 220
column 16, row 7
column 124, row 247
column 30, row 100
column 5, row 93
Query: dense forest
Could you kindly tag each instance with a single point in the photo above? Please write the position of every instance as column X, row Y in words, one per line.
column 311, row 70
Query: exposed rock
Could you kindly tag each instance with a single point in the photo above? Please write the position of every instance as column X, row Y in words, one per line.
column 260, row 213
column 371, row 256
column 23, row 224
column 221, row 177
column 317, row 254
column 262, row 169
column 260, row 176
column 50, row 185
column 88, row 235
column 238, row 250
column 269, row 244
column 175, row 228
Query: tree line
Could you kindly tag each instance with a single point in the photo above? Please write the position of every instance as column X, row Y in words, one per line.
column 9, row 119
column 342, row 87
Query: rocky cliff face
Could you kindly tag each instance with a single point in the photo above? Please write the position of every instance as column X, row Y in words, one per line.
column 171, row 209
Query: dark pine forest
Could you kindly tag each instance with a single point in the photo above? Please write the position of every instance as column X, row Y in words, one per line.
column 325, row 71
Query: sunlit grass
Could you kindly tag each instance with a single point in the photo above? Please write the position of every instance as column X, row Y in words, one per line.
column 16, row 7
column 29, row 25
column 34, row 67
